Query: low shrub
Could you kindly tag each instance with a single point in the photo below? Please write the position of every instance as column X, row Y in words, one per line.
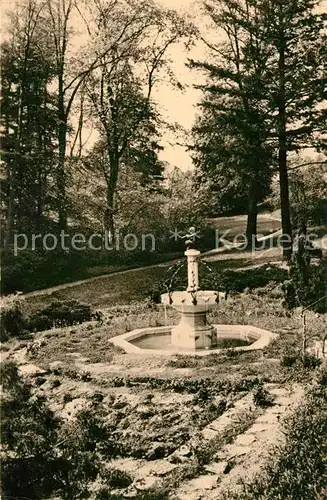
column 292, row 357
column 261, row 397
column 60, row 314
column 183, row 361
column 116, row 478
column 209, row 411
column 13, row 321
column 310, row 361
column 322, row 376
column 154, row 493
column 17, row 323
column 238, row 281
column 204, row 395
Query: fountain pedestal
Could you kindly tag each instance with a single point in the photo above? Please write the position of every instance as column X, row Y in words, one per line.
column 193, row 331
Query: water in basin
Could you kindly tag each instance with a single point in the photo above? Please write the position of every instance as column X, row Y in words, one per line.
column 164, row 342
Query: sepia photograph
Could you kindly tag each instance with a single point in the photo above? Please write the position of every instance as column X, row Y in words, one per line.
column 163, row 329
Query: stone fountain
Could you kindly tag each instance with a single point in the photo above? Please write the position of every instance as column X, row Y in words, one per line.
column 193, row 334
column 193, row 330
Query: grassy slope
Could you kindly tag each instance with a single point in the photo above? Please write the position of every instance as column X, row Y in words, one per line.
column 29, row 273
column 120, row 288
column 237, row 225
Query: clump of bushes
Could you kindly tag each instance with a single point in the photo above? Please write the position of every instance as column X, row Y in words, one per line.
column 60, row 314
column 262, row 397
column 44, row 456
column 116, row 478
column 202, row 396
column 292, row 356
column 17, row 323
column 238, row 281
column 13, row 321
column 306, row 284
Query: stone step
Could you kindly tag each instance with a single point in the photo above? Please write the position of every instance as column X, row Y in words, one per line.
column 245, row 455
column 255, row 443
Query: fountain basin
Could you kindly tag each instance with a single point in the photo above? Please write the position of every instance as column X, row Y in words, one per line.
column 158, row 340
column 193, row 330
column 184, row 301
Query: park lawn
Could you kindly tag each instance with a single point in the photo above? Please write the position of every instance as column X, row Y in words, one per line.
column 236, row 225
column 123, row 288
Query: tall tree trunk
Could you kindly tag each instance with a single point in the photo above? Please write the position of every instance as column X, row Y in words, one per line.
column 109, row 223
column 251, row 227
column 282, row 147
column 10, row 197
column 284, row 200
column 41, row 169
column 39, row 202
column 10, row 208
column 61, row 173
column 13, row 169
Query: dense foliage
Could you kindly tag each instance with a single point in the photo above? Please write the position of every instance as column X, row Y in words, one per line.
column 262, row 99
column 18, row 322
column 306, row 286
column 72, row 71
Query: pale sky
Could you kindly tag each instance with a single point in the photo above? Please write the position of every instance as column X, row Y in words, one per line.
column 180, row 106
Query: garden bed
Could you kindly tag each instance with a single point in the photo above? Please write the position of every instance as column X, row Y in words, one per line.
column 167, row 427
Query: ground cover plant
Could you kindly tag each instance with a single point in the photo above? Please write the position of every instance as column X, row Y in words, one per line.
column 41, row 455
